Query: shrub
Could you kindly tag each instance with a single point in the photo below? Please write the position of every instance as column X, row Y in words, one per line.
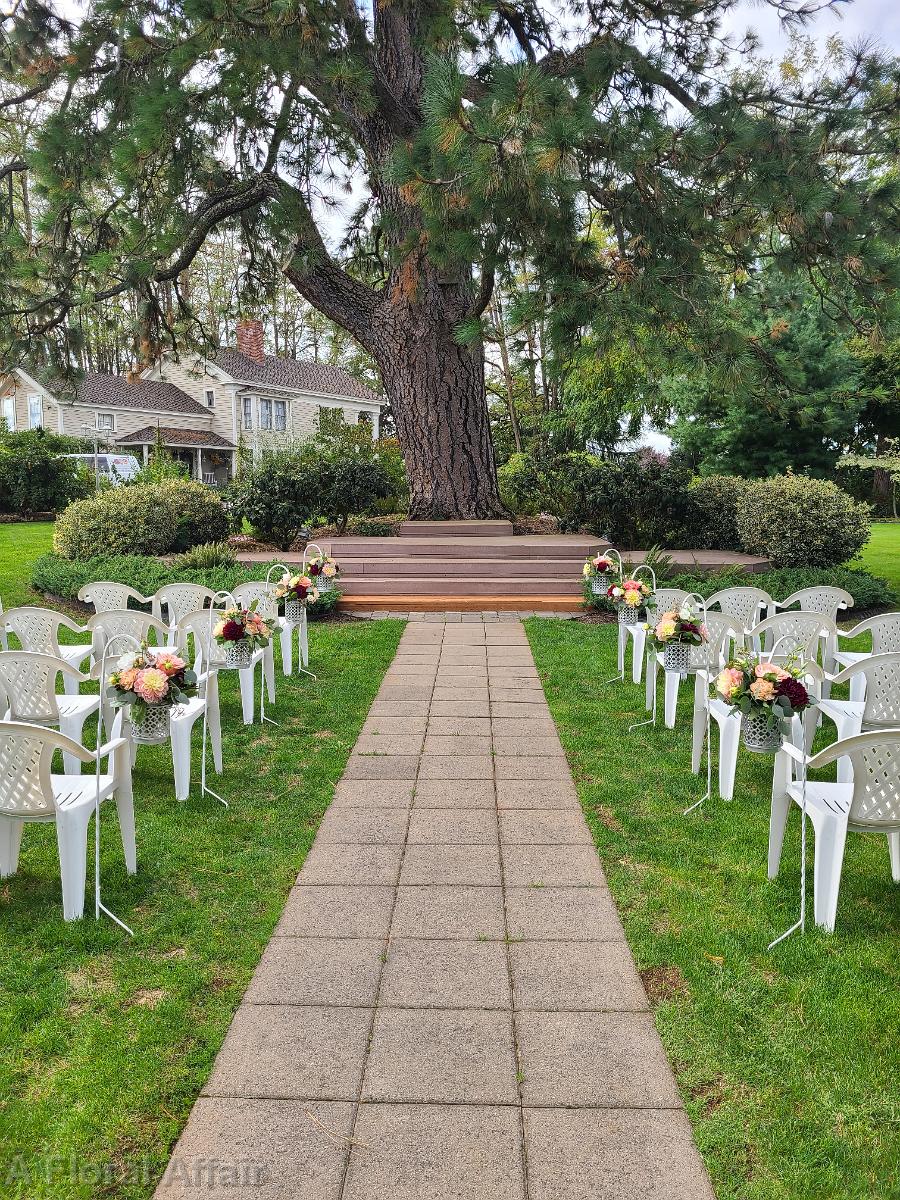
column 638, row 500
column 207, row 555
column 34, row 477
column 713, row 512
column 350, row 485
column 800, row 522
column 148, row 519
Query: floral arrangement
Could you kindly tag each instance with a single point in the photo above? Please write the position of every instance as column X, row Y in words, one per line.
column 757, row 687
column 242, row 625
column 629, row 591
column 322, row 565
column 150, row 679
column 600, row 564
column 296, row 588
column 680, row 626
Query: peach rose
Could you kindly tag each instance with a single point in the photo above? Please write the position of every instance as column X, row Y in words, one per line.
column 762, row 689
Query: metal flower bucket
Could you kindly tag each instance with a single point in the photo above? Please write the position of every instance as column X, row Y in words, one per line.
column 238, row 655
column 598, row 585
column 324, row 583
column 155, row 726
column 629, row 613
column 758, row 735
column 677, row 656
column 293, row 611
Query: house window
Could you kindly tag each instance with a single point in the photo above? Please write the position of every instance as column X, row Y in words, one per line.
column 210, row 398
column 35, row 412
column 265, row 414
column 248, row 412
column 106, row 422
column 280, row 415
column 9, row 412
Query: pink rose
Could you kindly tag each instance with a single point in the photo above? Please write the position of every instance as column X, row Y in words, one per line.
column 762, row 689
column 767, row 668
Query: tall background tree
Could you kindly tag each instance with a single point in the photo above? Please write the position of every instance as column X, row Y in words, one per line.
column 467, row 135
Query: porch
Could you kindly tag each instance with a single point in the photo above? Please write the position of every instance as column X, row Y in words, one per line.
column 208, row 457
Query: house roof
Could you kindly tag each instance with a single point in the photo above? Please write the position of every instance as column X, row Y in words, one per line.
column 176, row 437
column 113, row 391
column 322, row 378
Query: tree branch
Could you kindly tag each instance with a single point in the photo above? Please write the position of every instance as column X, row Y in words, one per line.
column 11, row 168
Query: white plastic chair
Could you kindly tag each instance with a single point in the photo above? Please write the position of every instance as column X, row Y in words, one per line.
column 868, row 804
column 745, row 605
column 826, row 600
column 29, row 792
column 267, row 607
column 209, row 660
column 665, row 600
column 29, row 683
column 885, row 631
column 109, row 597
column 179, row 599
column 879, row 709
column 38, row 631
column 721, row 634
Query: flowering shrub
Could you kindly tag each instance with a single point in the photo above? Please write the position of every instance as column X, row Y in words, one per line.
column 297, row 588
column 322, row 564
column 757, row 687
column 242, row 625
column 150, row 679
column 600, row 564
column 629, row 591
column 678, row 627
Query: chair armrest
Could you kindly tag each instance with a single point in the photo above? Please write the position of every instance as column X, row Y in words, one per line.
column 790, row 749
column 108, row 747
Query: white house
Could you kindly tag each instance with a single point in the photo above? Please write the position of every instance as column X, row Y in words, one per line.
column 201, row 407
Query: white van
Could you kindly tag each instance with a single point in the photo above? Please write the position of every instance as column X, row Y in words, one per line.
column 117, row 468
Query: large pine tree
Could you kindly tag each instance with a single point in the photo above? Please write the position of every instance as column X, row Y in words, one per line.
column 468, row 132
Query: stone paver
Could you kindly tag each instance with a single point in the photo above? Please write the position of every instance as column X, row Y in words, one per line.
column 448, row 1009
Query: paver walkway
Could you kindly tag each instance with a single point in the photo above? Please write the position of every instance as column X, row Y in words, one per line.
column 448, row 1009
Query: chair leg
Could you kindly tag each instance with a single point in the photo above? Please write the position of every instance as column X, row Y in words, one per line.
column 304, row 640
column 781, row 807
column 893, row 840
column 729, row 743
column 10, row 844
column 650, row 683
column 620, row 648
column 181, row 757
column 247, row 680
column 637, row 653
column 673, row 679
column 699, row 727
column 214, row 720
column 268, row 667
column 831, row 837
column 71, row 840
column 287, row 656
column 73, row 727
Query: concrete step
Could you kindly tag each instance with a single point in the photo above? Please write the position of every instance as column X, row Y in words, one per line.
column 463, row 585
column 442, row 568
column 527, row 548
column 456, row 529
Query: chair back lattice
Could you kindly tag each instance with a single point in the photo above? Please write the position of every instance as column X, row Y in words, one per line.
column 885, row 633
column 29, row 681
column 196, row 627
column 668, row 599
column 37, row 628
column 792, row 633
column 876, row 779
column 742, row 604
column 125, row 623
column 881, row 707
column 259, row 590
column 26, row 753
column 183, row 598
column 825, row 600
column 722, row 629
column 109, row 597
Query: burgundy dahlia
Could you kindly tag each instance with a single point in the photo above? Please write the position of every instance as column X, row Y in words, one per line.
column 794, row 691
column 232, row 632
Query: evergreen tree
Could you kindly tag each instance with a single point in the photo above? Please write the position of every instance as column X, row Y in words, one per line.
column 477, row 132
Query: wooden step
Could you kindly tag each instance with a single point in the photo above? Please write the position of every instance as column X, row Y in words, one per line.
column 531, row 548
column 463, row 585
column 401, row 604
column 442, row 568
column 444, row 529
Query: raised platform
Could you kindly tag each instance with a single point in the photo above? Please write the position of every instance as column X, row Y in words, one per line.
column 478, row 566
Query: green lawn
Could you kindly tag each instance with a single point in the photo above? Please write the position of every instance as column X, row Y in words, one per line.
column 882, row 554
column 105, row 1040
column 787, row 1060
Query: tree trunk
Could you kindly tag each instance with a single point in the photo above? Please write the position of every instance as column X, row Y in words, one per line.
column 438, row 400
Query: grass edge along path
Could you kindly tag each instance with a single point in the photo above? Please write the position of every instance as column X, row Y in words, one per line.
column 105, row 1041
column 787, row 1061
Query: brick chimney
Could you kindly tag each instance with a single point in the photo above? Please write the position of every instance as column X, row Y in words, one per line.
column 250, row 340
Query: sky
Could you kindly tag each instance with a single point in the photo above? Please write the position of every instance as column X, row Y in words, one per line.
column 868, row 20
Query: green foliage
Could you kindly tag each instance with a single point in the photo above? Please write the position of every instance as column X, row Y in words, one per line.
column 158, row 518
column 33, row 475
column 207, row 555
column 161, row 465
column 277, row 493
column 714, row 500
column 350, row 485
column 386, row 526
column 796, row 521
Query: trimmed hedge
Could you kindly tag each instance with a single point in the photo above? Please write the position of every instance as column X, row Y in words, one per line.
column 65, row 577
column 799, row 522
column 714, row 501
column 153, row 518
